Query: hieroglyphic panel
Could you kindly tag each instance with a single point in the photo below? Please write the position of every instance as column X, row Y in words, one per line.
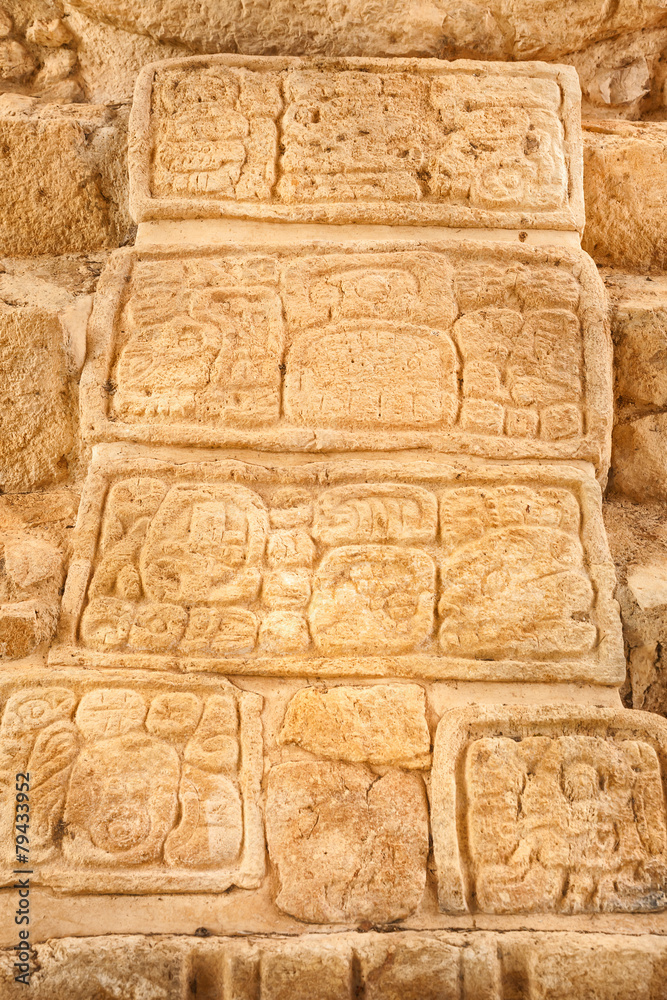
column 340, row 568
column 559, row 811
column 358, row 140
column 139, row 784
column 489, row 350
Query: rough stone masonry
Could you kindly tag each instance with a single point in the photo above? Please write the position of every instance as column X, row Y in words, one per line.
column 333, row 500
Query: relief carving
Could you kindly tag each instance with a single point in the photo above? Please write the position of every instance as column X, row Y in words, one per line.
column 563, row 810
column 140, row 785
column 494, row 351
column 364, row 141
column 326, row 569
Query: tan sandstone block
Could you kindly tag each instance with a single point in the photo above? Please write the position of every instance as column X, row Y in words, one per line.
column 404, row 965
column 348, row 845
column 68, row 165
column 639, row 331
column 31, row 577
column 639, row 458
column 518, row 29
column 563, row 966
column 383, row 724
column 626, row 193
column 139, row 783
column 378, row 141
column 118, row 966
column 438, row 569
column 473, row 348
column 36, row 404
column 310, row 971
column 564, row 811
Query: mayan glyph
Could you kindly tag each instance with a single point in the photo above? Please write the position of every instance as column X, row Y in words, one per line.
column 350, row 567
column 494, row 352
column 321, row 645
column 385, row 141
column 152, row 783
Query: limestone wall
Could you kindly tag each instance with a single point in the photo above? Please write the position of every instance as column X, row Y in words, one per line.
column 333, row 500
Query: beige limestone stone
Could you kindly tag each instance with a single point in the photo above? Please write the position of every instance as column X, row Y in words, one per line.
column 365, row 601
column 383, row 724
column 131, row 968
column 625, row 193
column 494, row 30
column 31, row 578
column 639, row 331
column 639, row 458
column 406, row 965
column 623, row 77
column 638, row 540
column 68, row 163
column 555, row 809
column 139, row 783
column 36, row 401
column 347, row 844
column 374, row 141
column 488, row 349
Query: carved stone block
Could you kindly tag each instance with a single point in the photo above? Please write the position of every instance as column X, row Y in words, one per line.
column 433, row 569
column 538, row 810
column 383, row 724
column 485, row 349
column 358, row 140
column 139, row 783
column 348, row 845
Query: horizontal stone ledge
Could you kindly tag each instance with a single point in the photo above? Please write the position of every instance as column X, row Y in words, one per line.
column 406, row 965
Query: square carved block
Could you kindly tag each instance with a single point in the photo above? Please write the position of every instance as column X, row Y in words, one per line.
column 490, row 350
column 550, row 811
column 435, row 569
column 138, row 783
column 413, row 141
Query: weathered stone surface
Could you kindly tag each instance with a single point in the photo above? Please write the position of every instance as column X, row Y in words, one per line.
column 494, row 30
column 623, row 77
column 36, row 402
column 639, row 458
column 69, row 165
column 639, row 330
column 564, row 810
column 172, row 559
column 348, row 845
column 402, row 966
column 131, row 967
column 139, row 784
column 626, row 193
column 383, row 724
column 638, row 540
column 37, row 54
column 494, row 351
column 365, row 141
column 31, row 577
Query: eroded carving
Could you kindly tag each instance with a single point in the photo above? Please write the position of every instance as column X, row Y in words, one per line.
column 364, row 142
column 496, row 351
column 313, row 568
column 140, row 785
column 564, row 811
column 348, row 844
